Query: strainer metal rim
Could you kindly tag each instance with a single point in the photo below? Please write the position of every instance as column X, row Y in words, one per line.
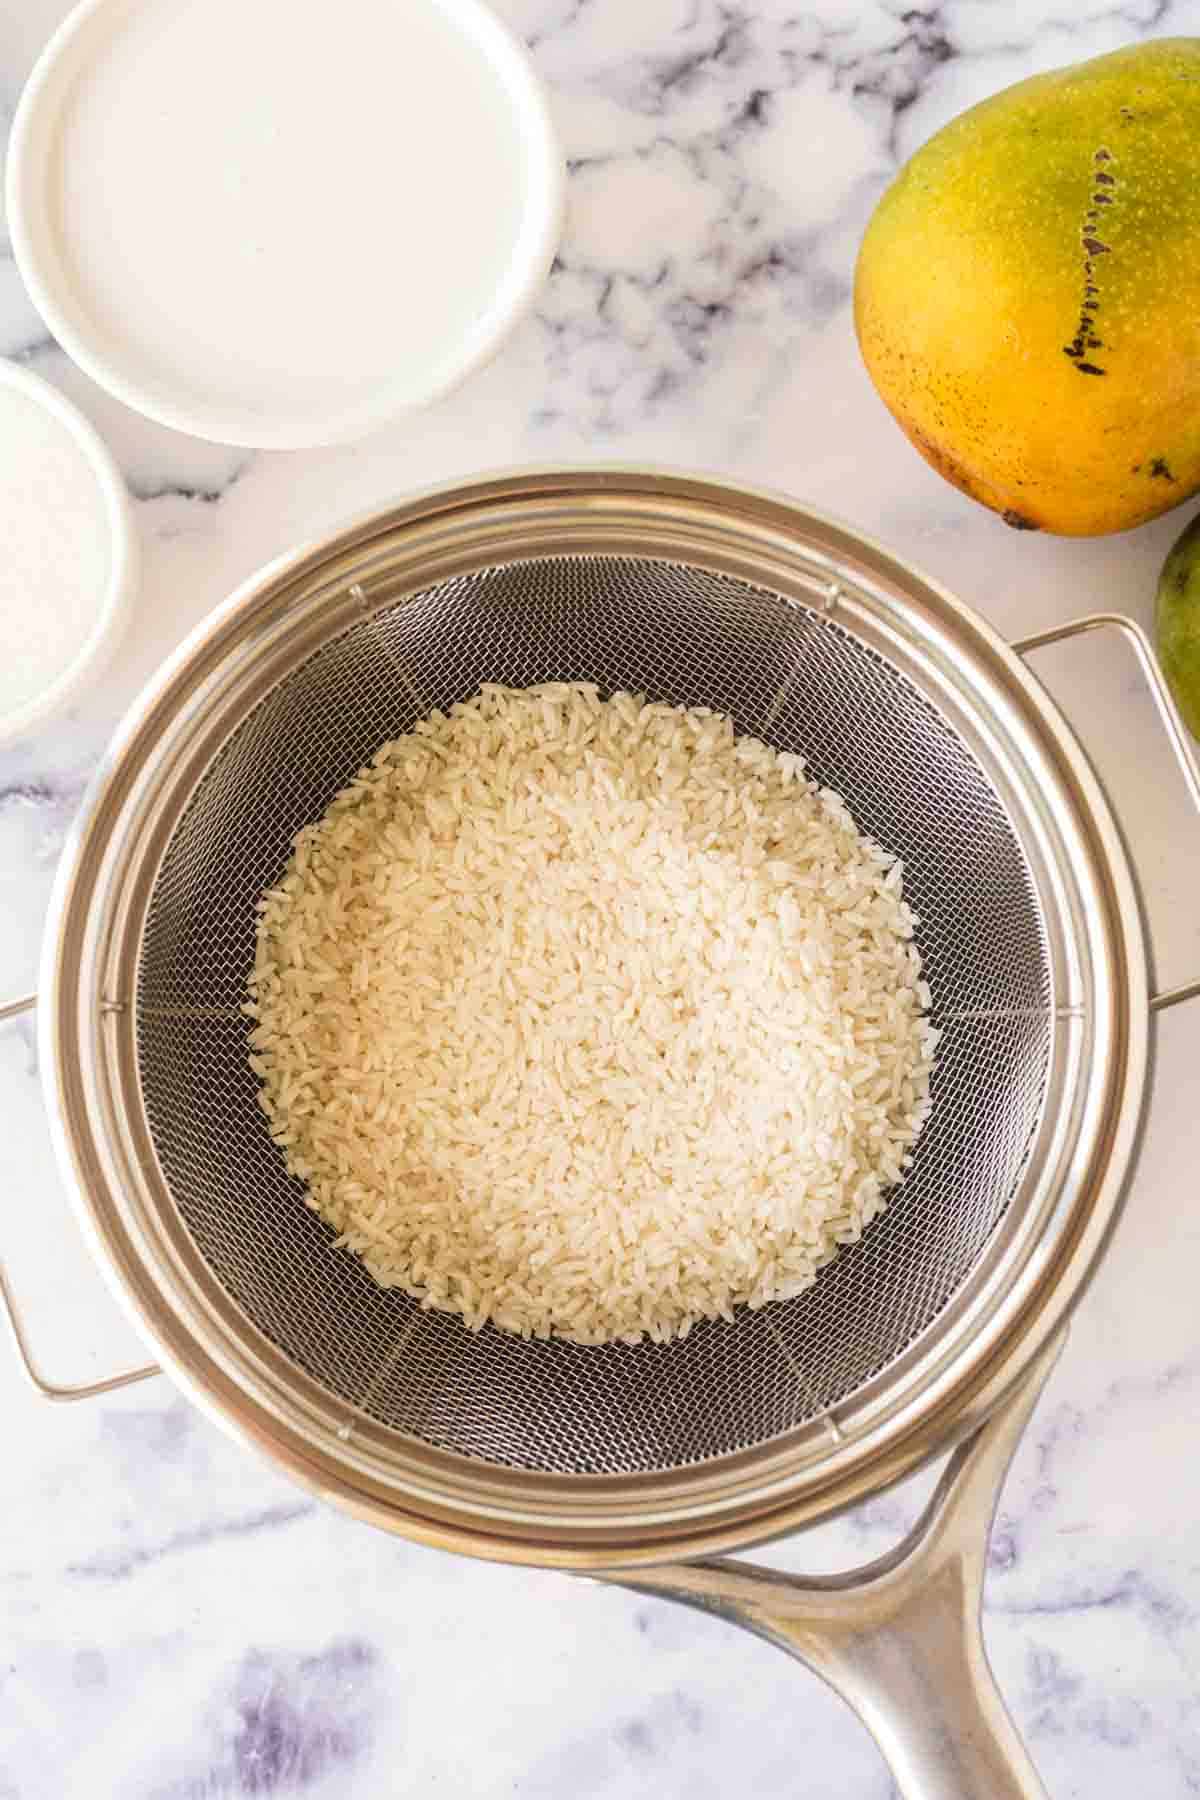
column 251, row 1389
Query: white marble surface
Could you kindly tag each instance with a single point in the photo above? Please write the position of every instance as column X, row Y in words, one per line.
column 176, row 1622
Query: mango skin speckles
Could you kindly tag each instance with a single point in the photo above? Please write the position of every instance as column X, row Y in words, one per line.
column 1026, row 294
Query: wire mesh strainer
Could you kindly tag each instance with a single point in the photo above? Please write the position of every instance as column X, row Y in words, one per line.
column 688, row 635
column 946, row 750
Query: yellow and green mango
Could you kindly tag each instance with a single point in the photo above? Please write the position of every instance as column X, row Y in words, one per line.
column 1027, row 297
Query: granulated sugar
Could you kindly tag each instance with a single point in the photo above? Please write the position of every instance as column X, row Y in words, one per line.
column 55, row 549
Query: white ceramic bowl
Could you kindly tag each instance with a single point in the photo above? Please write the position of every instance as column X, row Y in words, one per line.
column 177, row 167
column 113, row 605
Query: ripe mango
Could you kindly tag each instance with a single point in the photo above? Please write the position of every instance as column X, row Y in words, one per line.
column 1177, row 623
column 1027, row 296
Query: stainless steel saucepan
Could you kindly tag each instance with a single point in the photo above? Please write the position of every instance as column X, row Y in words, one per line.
column 637, row 1464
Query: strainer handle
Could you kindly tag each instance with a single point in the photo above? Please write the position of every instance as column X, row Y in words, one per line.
column 49, row 1390
column 1177, row 732
column 900, row 1639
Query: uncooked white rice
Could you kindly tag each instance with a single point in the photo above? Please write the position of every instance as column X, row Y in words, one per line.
column 590, row 1018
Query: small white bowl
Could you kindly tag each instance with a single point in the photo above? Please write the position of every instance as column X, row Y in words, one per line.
column 114, row 604
column 283, row 224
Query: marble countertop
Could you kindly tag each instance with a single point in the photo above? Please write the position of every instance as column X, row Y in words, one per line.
column 176, row 1621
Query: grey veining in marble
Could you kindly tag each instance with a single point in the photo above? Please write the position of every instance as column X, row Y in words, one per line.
column 176, row 1621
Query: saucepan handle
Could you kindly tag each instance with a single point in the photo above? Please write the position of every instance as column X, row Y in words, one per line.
column 49, row 1390
column 1177, row 732
column 900, row 1639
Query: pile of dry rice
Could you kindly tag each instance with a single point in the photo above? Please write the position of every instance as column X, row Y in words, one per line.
column 588, row 1018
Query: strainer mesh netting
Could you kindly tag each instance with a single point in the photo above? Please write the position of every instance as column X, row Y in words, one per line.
column 678, row 634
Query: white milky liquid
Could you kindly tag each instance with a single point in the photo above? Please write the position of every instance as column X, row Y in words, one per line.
column 55, row 549
column 282, row 204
